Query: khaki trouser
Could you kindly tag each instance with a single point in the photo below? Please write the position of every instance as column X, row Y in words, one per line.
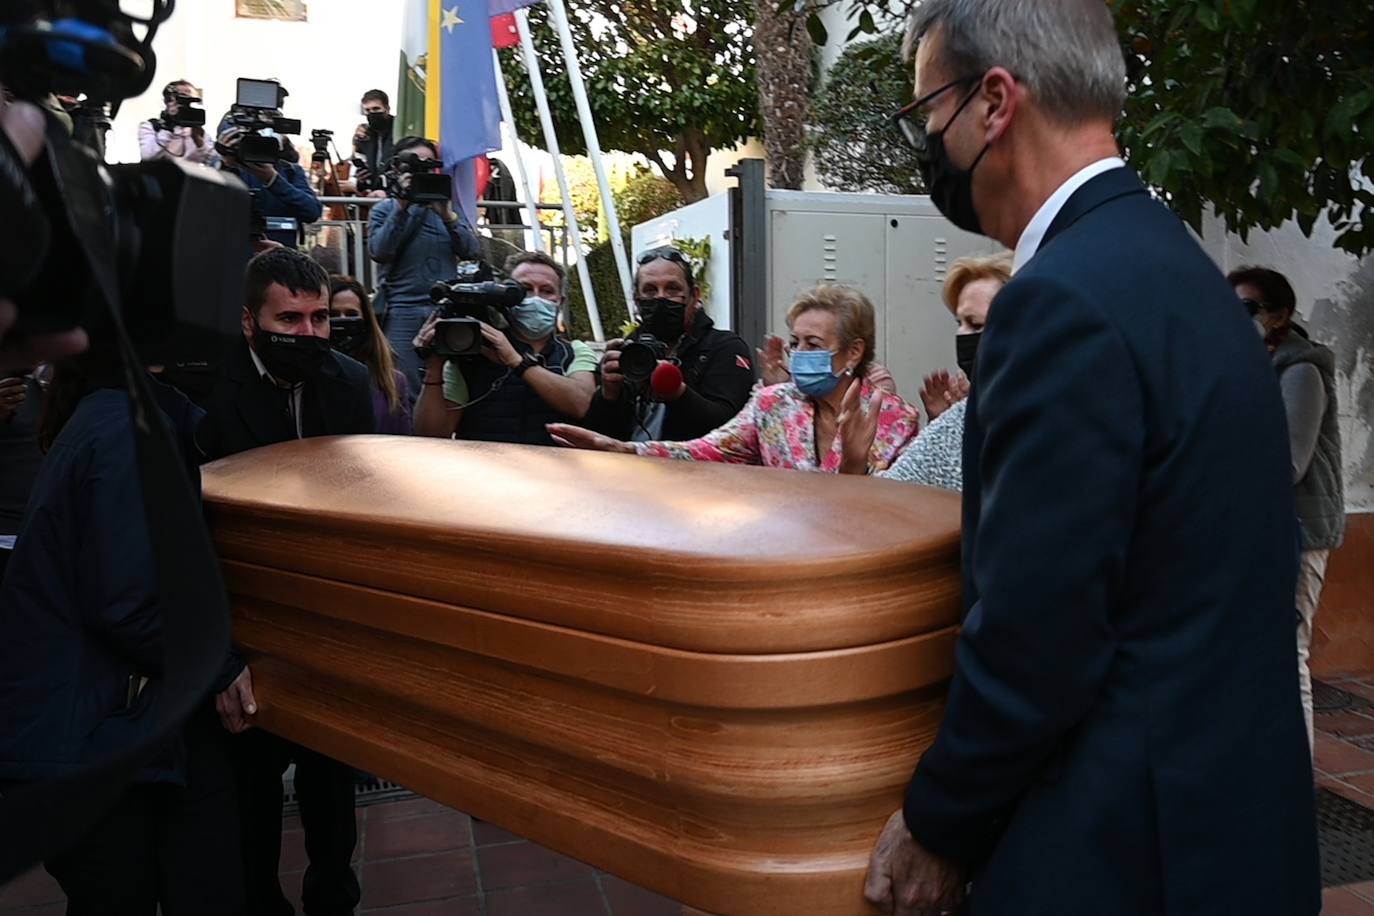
column 1311, row 578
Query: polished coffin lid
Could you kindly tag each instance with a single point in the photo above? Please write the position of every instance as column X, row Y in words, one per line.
column 711, row 680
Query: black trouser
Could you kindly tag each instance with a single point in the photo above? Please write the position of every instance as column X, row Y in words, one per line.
column 324, row 790
column 162, row 843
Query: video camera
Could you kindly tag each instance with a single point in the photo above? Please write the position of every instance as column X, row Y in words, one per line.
column 321, row 139
column 640, row 356
column 428, row 182
column 257, row 109
column 475, row 295
column 161, row 244
column 187, row 115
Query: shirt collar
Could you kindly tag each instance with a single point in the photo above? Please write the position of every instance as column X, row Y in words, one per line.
column 1035, row 230
column 264, row 374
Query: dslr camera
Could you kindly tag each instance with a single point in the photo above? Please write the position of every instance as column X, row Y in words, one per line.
column 640, row 356
column 428, row 183
column 479, row 293
column 257, row 109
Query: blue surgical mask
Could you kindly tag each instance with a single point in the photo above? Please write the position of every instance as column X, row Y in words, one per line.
column 813, row 372
column 535, row 317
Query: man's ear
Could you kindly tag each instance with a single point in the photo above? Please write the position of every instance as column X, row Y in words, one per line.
column 246, row 323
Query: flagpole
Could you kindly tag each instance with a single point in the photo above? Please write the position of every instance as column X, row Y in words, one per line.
column 559, row 14
column 541, row 101
column 509, row 120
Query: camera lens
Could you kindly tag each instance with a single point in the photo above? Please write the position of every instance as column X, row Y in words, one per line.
column 637, row 362
column 457, row 337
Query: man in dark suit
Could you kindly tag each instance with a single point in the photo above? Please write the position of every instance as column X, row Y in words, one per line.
column 1123, row 734
column 284, row 382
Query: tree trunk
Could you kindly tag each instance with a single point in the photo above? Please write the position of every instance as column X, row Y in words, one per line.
column 784, row 54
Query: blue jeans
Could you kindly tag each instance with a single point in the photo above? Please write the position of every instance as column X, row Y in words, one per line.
column 401, row 324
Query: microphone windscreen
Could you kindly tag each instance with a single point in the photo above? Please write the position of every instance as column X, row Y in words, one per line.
column 666, row 380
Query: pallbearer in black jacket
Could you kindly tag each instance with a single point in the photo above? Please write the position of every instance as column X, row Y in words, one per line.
column 1123, row 734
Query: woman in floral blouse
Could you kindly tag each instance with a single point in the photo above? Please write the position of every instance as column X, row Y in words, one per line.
column 828, row 418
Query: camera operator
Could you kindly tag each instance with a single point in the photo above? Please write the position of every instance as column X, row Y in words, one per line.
column 280, row 189
column 284, row 382
column 165, row 137
column 714, row 377
column 81, row 648
column 524, row 379
column 373, row 143
column 415, row 245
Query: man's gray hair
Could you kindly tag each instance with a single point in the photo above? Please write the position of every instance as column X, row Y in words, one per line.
column 1066, row 52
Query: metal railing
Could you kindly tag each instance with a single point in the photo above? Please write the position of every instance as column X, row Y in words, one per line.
column 350, row 239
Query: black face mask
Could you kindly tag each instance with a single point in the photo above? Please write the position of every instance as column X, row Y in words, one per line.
column 950, row 187
column 966, row 349
column 291, row 358
column 347, row 335
column 378, row 122
column 662, row 318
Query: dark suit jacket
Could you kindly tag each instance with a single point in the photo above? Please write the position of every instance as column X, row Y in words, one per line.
column 1123, row 733
column 244, row 411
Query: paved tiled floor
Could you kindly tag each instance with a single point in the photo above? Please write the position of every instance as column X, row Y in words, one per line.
column 419, row 858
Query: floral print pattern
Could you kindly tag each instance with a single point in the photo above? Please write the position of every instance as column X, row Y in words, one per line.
column 777, row 429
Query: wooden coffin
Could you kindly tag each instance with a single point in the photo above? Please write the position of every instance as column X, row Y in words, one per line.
column 712, row 681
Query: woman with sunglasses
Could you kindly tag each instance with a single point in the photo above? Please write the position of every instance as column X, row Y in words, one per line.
column 830, row 417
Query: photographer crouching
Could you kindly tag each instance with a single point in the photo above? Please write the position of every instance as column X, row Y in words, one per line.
column 417, row 239
column 504, row 386
column 677, row 376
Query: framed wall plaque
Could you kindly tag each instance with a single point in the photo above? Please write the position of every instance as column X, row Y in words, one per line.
column 286, row 10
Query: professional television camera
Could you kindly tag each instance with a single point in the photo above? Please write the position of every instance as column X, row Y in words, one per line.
column 162, row 244
column 427, row 184
column 257, row 109
column 474, row 296
column 321, row 139
column 187, row 114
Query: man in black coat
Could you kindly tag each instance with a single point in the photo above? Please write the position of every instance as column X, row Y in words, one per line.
column 715, row 373
column 1123, row 733
column 284, row 382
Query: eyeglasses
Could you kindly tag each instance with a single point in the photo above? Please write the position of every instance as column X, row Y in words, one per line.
column 911, row 119
column 668, row 253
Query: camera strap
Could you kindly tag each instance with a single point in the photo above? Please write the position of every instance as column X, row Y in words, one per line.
column 40, row 819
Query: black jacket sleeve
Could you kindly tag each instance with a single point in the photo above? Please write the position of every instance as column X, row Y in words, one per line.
column 611, row 418
column 1061, row 410
column 720, row 392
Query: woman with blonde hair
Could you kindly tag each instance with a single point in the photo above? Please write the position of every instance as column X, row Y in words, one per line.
column 829, row 417
column 354, row 331
column 936, row 459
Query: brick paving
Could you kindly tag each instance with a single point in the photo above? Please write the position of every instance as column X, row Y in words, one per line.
column 416, row 857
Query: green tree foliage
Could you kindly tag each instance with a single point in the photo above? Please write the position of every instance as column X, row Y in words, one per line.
column 856, row 145
column 645, row 196
column 1263, row 111
column 664, row 79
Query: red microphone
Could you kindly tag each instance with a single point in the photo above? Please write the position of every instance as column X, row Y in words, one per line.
column 666, row 380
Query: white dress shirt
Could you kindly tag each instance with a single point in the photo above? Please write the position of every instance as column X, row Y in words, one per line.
column 1035, row 230
column 294, row 389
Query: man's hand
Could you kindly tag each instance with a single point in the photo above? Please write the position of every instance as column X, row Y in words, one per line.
column 496, row 346
column 265, row 172
column 361, row 135
column 424, row 338
column 445, row 211
column 612, row 382
column 905, row 880
column 857, row 429
column 570, row 436
column 24, row 124
column 942, row 391
column 773, row 361
column 236, row 705
column 13, row 392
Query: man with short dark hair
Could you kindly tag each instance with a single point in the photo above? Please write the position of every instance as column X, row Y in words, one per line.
column 373, row 139
column 414, row 245
column 1122, row 732
column 527, row 376
column 284, row 382
column 715, row 373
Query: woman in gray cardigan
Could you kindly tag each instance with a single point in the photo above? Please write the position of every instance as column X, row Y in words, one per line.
column 1307, row 379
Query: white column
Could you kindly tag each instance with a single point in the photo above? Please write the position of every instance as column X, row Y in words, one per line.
column 559, row 15
column 508, row 119
column 541, row 101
